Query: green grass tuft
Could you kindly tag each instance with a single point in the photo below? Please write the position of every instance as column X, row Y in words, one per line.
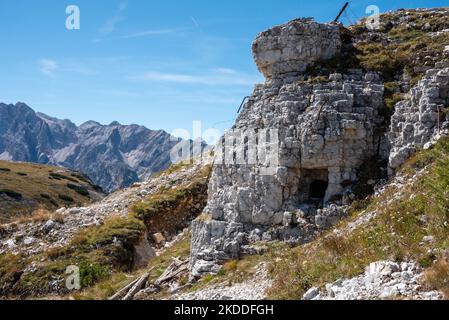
column 11, row 193
column 65, row 198
column 78, row 189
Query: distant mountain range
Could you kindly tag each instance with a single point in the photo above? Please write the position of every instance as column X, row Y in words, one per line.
column 112, row 156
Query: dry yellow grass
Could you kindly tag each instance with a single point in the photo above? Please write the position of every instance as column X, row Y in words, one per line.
column 40, row 215
column 437, row 277
column 27, row 187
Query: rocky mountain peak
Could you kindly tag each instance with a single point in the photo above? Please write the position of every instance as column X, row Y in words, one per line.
column 113, row 156
column 89, row 124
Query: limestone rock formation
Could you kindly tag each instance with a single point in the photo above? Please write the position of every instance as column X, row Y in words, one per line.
column 291, row 48
column 317, row 136
column 418, row 119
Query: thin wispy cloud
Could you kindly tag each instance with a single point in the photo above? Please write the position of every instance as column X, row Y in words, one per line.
column 195, row 22
column 118, row 93
column 48, row 66
column 218, row 77
column 226, row 71
column 148, row 33
column 168, row 77
column 110, row 25
column 208, row 98
column 79, row 69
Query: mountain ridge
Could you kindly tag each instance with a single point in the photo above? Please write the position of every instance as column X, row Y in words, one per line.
column 126, row 153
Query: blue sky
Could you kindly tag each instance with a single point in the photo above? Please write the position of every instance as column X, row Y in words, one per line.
column 162, row 64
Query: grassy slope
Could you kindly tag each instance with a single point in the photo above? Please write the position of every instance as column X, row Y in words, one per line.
column 402, row 49
column 404, row 218
column 160, row 212
column 170, row 208
column 35, row 186
column 94, row 250
column 110, row 285
column 106, row 265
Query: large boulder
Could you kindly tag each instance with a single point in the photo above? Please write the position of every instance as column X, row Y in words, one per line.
column 293, row 47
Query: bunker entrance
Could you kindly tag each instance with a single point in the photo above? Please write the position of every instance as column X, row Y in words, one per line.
column 318, row 189
column 313, row 185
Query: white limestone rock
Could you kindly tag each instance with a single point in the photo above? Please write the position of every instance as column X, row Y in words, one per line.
column 381, row 280
column 292, row 47
column 420, row 118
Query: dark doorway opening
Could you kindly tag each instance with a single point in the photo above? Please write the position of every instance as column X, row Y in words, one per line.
column 318, row 189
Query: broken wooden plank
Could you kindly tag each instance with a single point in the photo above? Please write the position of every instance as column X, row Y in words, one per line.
column 137, row 286
column 176, row 268
column 123, row 290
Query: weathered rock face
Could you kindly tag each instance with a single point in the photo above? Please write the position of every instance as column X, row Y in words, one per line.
column 293, row 47
column 325, row 131
column 317, row 135
column 418, row 119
